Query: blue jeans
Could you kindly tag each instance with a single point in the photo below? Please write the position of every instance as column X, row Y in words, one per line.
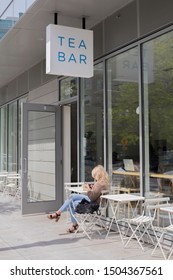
column 73, row 201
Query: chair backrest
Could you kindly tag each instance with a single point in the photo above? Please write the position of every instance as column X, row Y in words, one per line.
column 103, row 202
column 157, row 206
column 116, row 183
column 13, row 176
column 157, row 200
column 152, row 206
column 115, row 189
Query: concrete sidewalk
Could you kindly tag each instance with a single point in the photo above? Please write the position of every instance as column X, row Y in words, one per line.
column 34, row 237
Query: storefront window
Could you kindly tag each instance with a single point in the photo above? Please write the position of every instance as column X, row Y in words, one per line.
column 21, row 100
column 68, row 88
column 123, row 120
column 10, row 139
column 12, row 136
column 158, row 101
column 3, row 139
column 92, row 116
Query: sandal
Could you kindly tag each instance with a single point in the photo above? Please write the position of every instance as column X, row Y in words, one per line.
column 55, row 216
column 72, row 229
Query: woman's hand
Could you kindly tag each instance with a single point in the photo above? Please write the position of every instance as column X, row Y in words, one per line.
column 87, row 187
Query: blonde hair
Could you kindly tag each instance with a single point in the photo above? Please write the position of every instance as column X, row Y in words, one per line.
column 100, row 174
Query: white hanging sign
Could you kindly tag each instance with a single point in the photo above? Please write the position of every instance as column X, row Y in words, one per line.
column 69, row 51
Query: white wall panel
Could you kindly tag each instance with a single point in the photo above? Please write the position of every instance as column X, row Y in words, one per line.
column 42, row 156
column 43, row 91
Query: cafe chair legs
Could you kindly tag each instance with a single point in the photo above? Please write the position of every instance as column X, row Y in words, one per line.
column 92, row 223
column 139, row 227
column 159, row 244
column 85, row 224
column 143, row 225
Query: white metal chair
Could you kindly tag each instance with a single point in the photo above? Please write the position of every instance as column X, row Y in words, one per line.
column 12, row 183
column 3, row 177
column 99, row 218
column 162, row 234
column 84, row 222
column 141, row 225
column 18, row 192
column 1, row 186
column 91, row 223
column 116, row 183
column 165, row 231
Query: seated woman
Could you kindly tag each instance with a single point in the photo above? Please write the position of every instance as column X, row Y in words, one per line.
column 94, row 191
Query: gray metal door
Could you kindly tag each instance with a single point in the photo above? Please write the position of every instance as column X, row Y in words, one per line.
column 41, row 158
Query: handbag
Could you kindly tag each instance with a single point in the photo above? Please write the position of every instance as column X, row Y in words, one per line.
column 86, row 207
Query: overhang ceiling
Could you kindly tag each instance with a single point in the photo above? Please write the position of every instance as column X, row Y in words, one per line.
column 25, row 44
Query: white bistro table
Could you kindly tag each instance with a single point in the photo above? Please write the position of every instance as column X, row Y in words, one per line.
column 74, row 187
column 115, row 201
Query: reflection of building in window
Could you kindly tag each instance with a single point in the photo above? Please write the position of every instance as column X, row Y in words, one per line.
column 6, row 24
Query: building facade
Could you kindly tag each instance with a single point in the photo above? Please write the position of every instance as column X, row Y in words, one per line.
column 55, row 129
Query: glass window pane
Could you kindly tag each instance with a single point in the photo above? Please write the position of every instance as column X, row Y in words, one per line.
column 73, row 118
column 41, row 156
column 3, row 138
column 123, row 117
column 158, row 93
column 12, row 136
column 92, row 148
column 68, row 88
column 21, row 100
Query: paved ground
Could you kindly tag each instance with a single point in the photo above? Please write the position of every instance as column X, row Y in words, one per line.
column 34, row 237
